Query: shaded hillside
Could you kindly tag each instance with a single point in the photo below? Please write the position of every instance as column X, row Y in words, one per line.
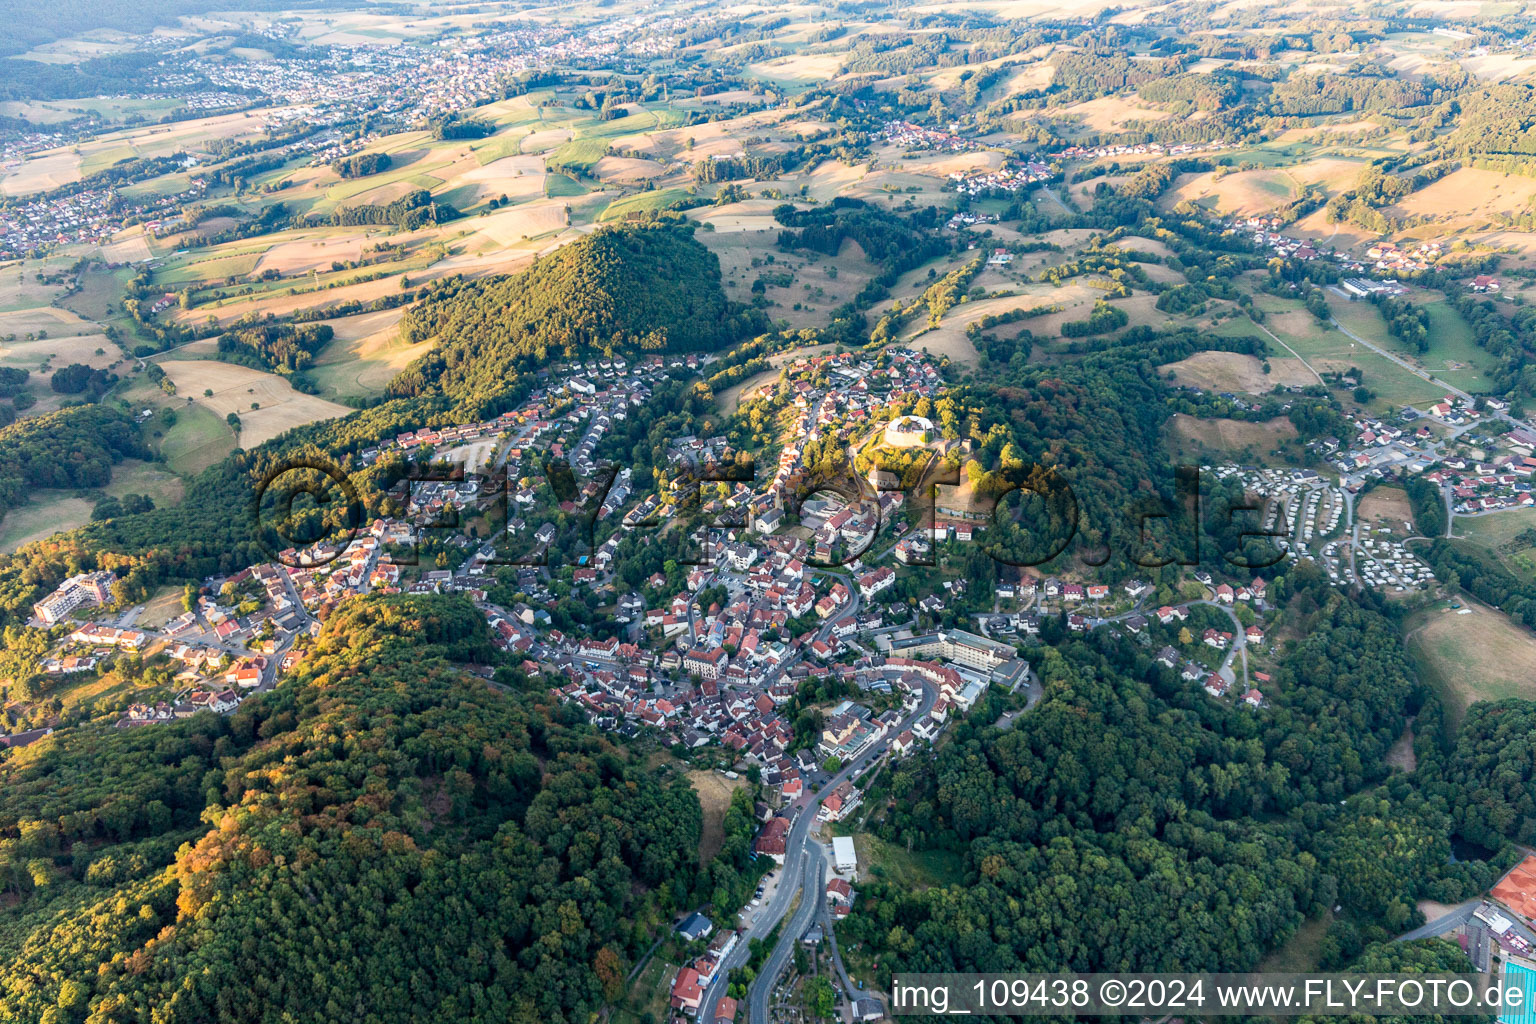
column 621, row 291
column 383, row 838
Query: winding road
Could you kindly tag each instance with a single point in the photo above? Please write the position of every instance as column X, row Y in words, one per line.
column 804, row 874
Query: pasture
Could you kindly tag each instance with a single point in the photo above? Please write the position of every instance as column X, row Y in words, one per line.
column 1235, row 371
column 1467, row 658
column 236, row 389
column 364, row 356
column 48, row 512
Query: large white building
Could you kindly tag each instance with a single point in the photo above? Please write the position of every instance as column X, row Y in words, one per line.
column 956, row 645
column 844, row 856
column 80, row 589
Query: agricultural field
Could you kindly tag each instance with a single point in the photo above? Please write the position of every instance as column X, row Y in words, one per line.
column 67, row 339
column 20, row 288
column 642, row 202
column 265, row 403
column 1480, row 655
column 39, row 173
column 1242, row 193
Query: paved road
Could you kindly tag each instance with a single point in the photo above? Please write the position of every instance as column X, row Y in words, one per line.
column 1424, row 374
column 813, row 876
column 1065, row 208
column 1288, row 348
column 1441, row 925
column 805, row 870
column 1239, row 637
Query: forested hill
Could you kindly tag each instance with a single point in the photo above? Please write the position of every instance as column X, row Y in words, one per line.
column 74, row 447
column 621, row 291
column 1127, row 821
column 383, row 838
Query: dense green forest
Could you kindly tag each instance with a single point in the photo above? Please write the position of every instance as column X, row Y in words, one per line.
column 621, row 291
column 1129, row 822
column 383, row 838
column 275, row 346
column 74, row 447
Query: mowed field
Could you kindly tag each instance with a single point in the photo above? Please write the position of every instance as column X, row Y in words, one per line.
column 236, row 388
column 1235, row 371
column 364, row 356
column 1242, row 192
column 1327, row 349
column 45, row 515
column 44, row 171
column 1453, row 355
column 1472, row 657
column 56, row 167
